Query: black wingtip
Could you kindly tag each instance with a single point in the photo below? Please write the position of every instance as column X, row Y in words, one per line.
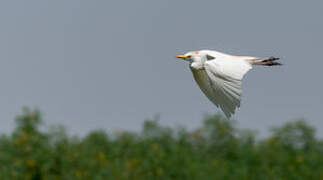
column 271, row 62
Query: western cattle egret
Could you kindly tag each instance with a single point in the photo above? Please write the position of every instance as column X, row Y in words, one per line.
column 220, row 75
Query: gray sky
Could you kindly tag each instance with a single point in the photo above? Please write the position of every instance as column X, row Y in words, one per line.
column 110, row 64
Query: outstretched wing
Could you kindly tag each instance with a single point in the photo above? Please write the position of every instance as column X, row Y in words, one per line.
column 221, row 82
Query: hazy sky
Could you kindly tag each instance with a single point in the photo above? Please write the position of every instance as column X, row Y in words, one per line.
column 111, row 64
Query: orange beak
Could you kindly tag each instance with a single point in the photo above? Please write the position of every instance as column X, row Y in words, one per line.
column 181, row 57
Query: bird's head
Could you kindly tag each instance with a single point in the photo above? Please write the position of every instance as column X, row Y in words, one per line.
column 196, row 56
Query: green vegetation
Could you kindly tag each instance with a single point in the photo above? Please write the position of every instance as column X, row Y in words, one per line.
column 217, row 150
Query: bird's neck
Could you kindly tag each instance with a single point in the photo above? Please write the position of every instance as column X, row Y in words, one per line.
column 197, row 65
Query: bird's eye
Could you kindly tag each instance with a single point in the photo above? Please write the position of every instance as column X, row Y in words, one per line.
column 209, row 57
column 189, row 56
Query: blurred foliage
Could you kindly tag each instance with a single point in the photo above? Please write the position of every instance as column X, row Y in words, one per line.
column 217, row 150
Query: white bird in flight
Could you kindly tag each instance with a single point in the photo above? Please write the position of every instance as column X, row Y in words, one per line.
column 220, row 75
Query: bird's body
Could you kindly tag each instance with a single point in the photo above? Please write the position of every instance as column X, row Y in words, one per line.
column 220, row 75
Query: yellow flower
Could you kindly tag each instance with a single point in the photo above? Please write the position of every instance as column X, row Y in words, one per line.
column 78, row 173
column 22, row 138
column 132, row 163
column 271, row 140
column 101, row 157
column 30, row 163
column 154, row 147
column 300, row 159
column 159, row 171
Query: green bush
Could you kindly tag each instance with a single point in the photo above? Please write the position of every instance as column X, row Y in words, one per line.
column 217, row 150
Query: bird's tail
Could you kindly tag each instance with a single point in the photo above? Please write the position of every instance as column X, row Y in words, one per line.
column 270, row 61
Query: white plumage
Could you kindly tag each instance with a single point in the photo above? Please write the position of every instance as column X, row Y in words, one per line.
column 220, row 75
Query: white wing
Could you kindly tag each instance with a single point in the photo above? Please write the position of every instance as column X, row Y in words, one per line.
column 221, row 81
